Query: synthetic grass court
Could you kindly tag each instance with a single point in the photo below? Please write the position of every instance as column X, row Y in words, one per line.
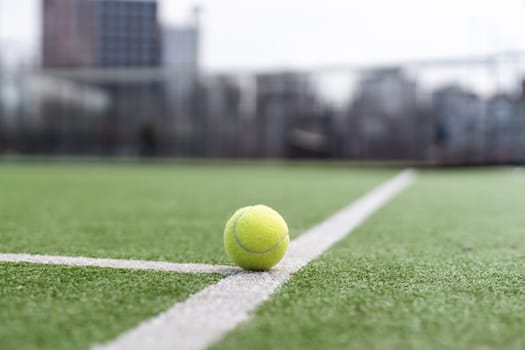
column 57, row 307
column 172, row 213
column 441, row 266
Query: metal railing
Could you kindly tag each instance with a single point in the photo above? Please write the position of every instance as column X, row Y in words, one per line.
column 469, row 110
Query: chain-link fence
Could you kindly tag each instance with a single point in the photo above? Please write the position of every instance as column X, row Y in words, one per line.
column 466, row 111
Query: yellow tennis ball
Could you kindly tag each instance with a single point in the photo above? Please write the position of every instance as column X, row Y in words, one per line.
column 256, row 237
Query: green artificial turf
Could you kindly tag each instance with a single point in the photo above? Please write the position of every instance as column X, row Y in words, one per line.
column 160, row 212
column 442, row 266
column 58, row 307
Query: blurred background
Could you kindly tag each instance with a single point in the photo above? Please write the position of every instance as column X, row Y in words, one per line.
column 439, row 82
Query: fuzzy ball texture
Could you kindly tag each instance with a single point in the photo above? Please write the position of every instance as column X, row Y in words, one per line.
column 256, row 237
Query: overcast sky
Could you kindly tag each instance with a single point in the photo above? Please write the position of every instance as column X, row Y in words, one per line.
column 304, row 33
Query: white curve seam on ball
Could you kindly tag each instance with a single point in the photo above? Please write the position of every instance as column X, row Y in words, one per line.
column 207, row 316
column 251, row 251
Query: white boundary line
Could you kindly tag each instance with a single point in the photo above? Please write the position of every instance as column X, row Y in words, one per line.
column 205, row 317
column 118, row 263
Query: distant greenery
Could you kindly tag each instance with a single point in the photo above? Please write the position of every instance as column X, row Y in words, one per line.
column 441, row 267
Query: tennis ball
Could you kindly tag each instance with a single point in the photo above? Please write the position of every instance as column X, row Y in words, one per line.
column 256, row 237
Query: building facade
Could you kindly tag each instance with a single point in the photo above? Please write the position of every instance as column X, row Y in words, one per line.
column 180, row 54
column 67, row 33
column 100, row 33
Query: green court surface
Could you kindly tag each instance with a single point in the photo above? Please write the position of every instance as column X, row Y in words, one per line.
column 57, row 307
column 440, row 267
column 160, row 212
column 157, row 212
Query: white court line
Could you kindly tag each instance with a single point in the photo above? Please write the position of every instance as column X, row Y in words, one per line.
column 118, row 263
column 205, row 317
